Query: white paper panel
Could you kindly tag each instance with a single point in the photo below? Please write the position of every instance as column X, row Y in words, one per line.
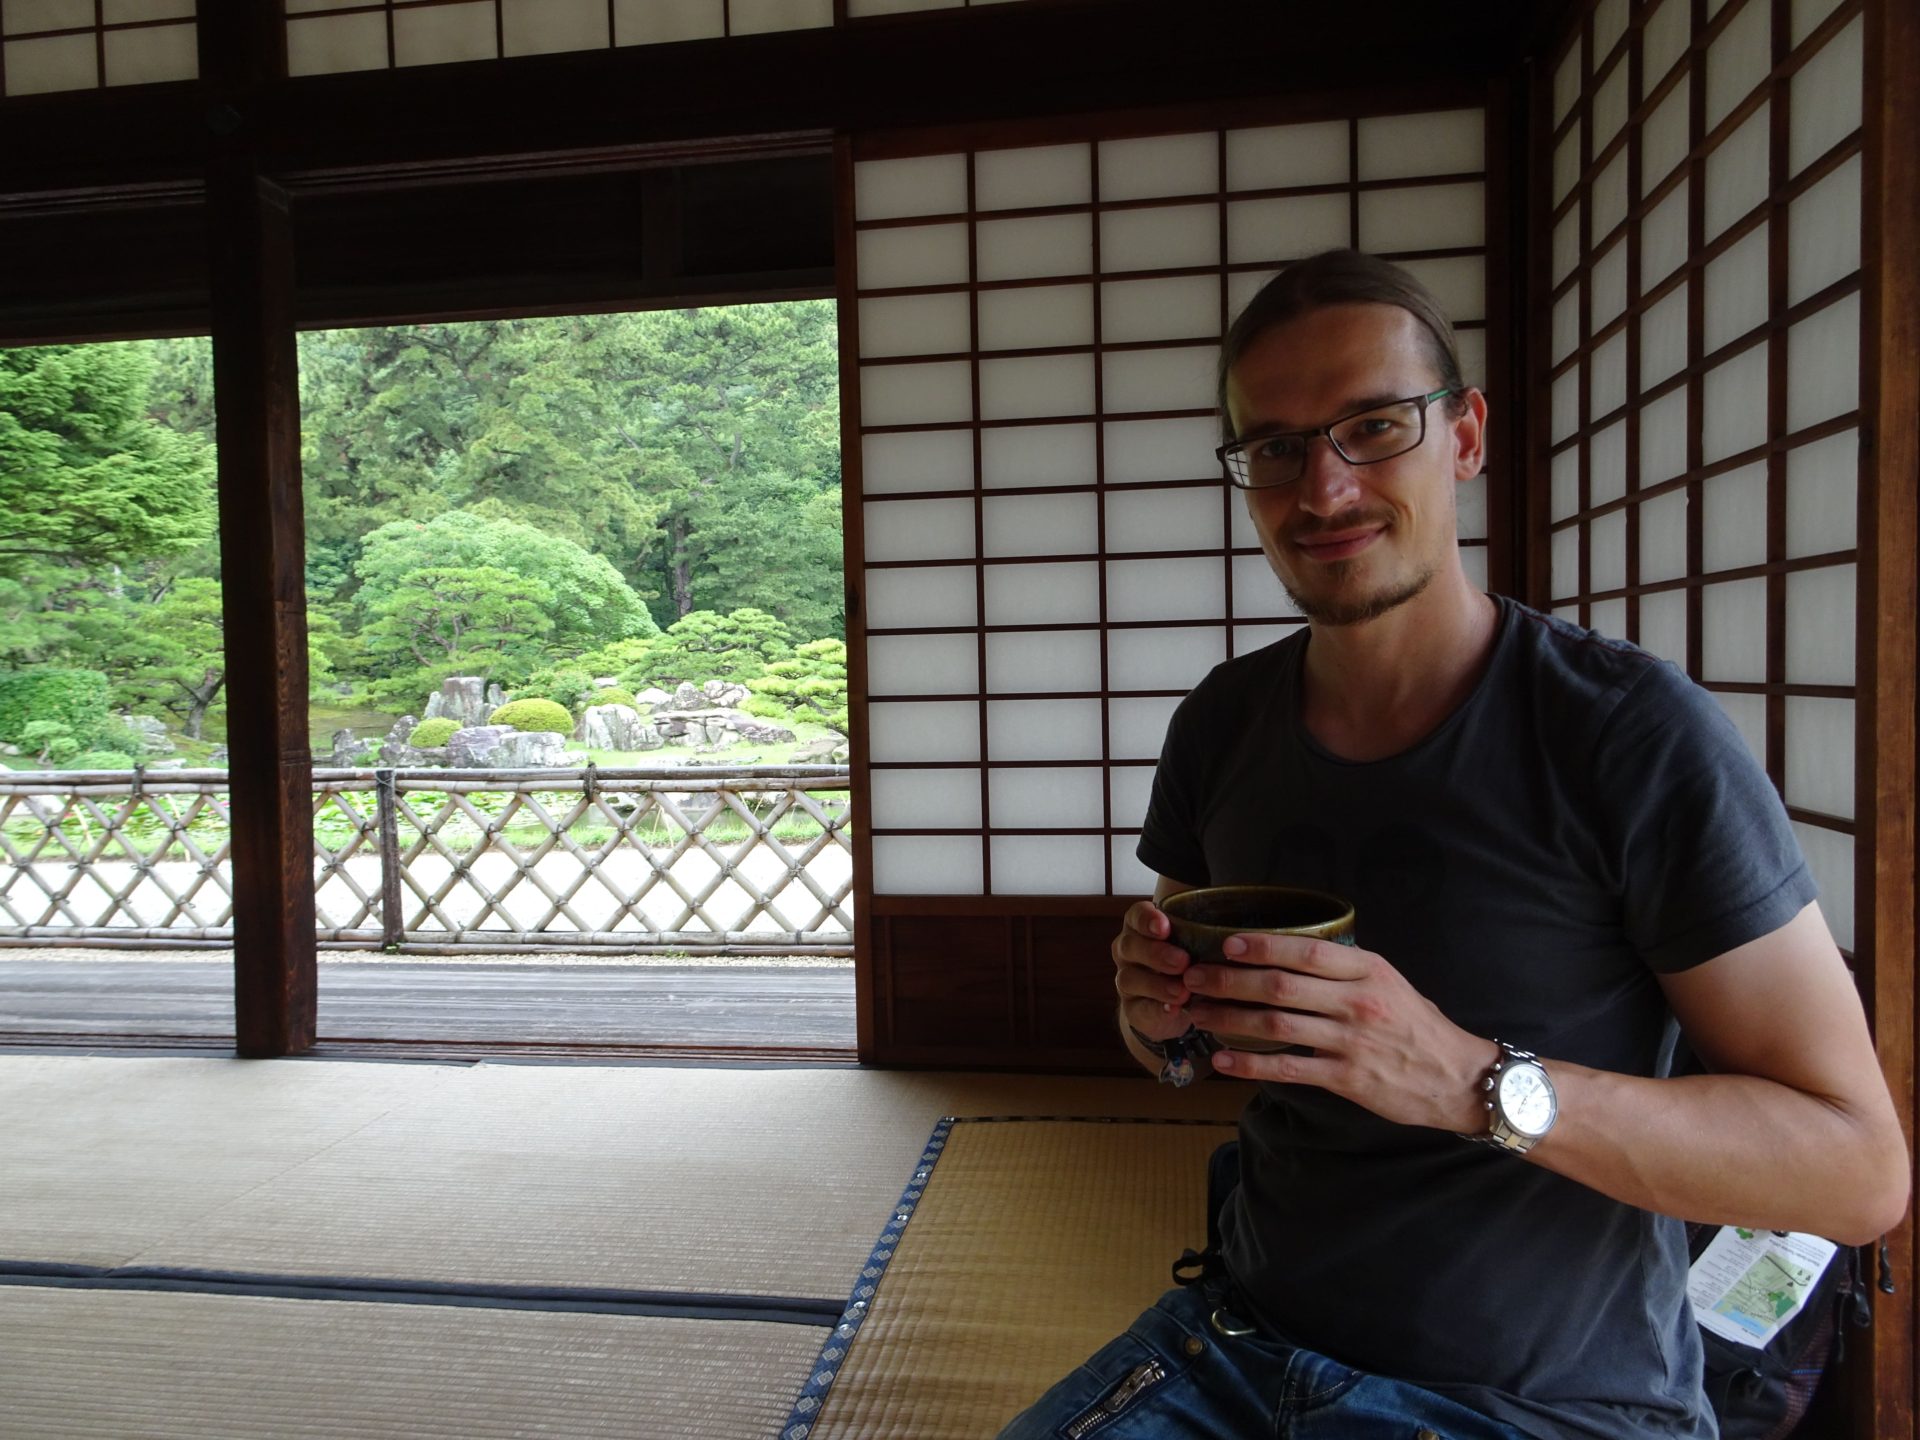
column 919, row 529
column 23, row 17
column 923, row 595
column 1566, row 325
column 930, row 799
column 897, row 7
column 1737, row 290
column 1278, row 156
column 1471, row 498
column 918, row 460
column 1663, row 238
column 1043, row 175
column 915, row 325
column 1737, row 174
column 126, row 12
column 444, row 33
column 1159, row 165
column 1610, row 196
column 1733, row 521
column 1184, row 519
column 1180, row 379
column 1564, row 564
column 1137, row 728
column 1607, row 555
column 1663, row 538
column 754, row 17
column 1049, row 865
column 1065, row 594
column 1826, row 98
column 1663, row 438
column 1257, row 592
column 1033, row 317
column 912, row 255
column 1286, row 228
column 1038, row 245
column 1459, row 284
column 1749, row 716
column 1565, row 498
column 1823, row 233
column 1607, row 378
column 1663, row 337
column 332, row 44
column 1609, row 24
column 1162, row 238
column 1182, row 308
column 916, row 394
column 1823, row 486
column 1820, row 742
column 1609, row 618
column 1037, row 455
column 153, row 55
column 923, row 665
column 1830, row 856
column 1664, row 39
column 65, row 62
column 1242, row 286
column 927, row 865
column 1163, row 659
column 1070, row 798
column 1141, row 450
column 1043, row 729
column 1738, row 60
column 1823, row 364
column 1566, row 163
column 1663, row 139
column 1568, row 76
column 1130, row 789
column 1566, row 403
column 1821, row 606
column 1165, row 589
column 1733, row 631
column 1023, row 661
column 1431, row 217
column 1036, row 385
column 1473, row 563
column 1609, row 285
column 1566, row 244
column 659, row 22
column 1663, row 624
column 1610, row 105
column 1249, row 638
column 1439, row 142
column 1735, row 400
column 546, row 27
column 1130, row 877
column 1241, row 533
column 1040, row 525
column 1807, row 15
column 1607, row 464
column 923, row 730
column 1472, row 348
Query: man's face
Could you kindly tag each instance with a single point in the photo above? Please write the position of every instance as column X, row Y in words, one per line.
column 1350, row 543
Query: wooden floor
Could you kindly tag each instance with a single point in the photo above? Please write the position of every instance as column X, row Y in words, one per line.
column 731, row 1007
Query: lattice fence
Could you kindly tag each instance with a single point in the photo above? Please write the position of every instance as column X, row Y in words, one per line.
column 743, row 860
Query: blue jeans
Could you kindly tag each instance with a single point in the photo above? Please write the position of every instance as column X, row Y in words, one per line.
column 1176, row 1376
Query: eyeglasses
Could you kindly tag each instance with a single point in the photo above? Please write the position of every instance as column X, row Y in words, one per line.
column 1365, row 438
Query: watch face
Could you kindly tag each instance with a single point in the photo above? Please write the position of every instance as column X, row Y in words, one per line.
column 1526, row 1099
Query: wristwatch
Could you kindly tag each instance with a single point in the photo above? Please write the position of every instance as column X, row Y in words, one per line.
column 1178, row 1054
column 1521, row 1104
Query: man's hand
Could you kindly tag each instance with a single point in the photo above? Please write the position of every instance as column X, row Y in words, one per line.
column 1147, row 974
column 1375, row 1039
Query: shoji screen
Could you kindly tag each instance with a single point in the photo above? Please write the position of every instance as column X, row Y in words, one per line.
column 1047, row 558
column 82, row 44
column 1704, row 461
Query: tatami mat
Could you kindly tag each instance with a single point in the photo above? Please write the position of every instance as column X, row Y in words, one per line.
column 107, row 1366
column 1031, row 1246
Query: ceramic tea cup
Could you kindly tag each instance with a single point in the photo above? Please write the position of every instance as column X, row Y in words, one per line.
column 1201, row 920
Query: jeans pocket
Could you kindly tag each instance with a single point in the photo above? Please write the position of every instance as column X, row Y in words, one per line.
column 1124, row 1376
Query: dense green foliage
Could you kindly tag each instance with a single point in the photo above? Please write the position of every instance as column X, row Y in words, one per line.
column 100, row 760
column 705, row 646
column 813, row 680
column 534, row 715
column 430, row 733
column 74, row 700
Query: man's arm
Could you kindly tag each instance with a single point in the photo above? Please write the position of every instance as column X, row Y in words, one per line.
column 1794, row 1130
column 1147, row 976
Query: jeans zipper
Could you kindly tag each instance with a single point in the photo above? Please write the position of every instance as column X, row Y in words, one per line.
column 1143, row 1378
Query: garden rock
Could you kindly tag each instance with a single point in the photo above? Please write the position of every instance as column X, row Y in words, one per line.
column 463, row 699
column 154, row 739
column 725, row 694
column 474, row 747
column 526, row 749
column 650, row 699
column 827, row 750
column 395, row 751
column 618, row 727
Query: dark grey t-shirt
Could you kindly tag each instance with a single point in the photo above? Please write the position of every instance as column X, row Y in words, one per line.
column 1587, row 818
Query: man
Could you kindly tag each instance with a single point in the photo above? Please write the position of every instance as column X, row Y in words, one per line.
column 1557, row 846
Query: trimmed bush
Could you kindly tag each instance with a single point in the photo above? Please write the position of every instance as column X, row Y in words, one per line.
column 76, row 699
column 614, row 695
column 430, row 734
column 100, row 760
column 765, row 706
column 534, row 716
column 567, row 685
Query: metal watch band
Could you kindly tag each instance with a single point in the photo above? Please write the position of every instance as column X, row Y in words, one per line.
column 1179, row 1053
column 1498, row 1133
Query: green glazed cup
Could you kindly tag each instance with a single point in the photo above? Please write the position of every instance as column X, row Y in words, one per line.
column 1201, row 920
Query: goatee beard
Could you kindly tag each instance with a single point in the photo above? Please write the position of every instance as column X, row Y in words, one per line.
column 1358, row 612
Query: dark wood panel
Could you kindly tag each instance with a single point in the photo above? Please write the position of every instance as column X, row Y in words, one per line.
column 949, row 985
column 1070, row 994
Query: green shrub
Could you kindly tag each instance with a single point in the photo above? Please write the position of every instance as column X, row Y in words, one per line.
column 567, row 685
column 614, row 695
column 76, row 699
column 765, row 706
column 101, row 760
column 430, row 734
column 534, row 716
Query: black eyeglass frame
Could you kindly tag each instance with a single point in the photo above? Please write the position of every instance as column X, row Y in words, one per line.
column 1306, row 436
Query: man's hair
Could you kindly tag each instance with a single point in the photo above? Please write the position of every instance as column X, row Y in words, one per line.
column 1340, row 277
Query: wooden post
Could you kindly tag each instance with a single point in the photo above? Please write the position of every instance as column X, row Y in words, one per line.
column 262, row 541
column 386, row 814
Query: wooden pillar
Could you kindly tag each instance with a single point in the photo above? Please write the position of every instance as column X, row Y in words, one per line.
column 262, row 542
